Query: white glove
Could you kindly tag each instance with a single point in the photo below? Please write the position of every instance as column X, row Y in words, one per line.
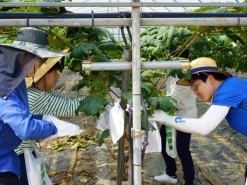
column 64, row 128
column 159, row 116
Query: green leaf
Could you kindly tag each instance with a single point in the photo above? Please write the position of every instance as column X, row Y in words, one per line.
column 161, row 32
column 179, row 73
column 187, row 75
column 54, row 10
column 147, row 73
column 235, row 38
column 90, row 105
column 127, row 95
column 152, row 74
column 103, row 135
column 2, row 40
column 200, row 45
column 183, row 33
column 82, row 83
column 153, row 101
column 148, row 86
column 107, row 46
column 221, row 10
column 165, row 103
column 154, row 31
column 101, row 33
column 171, row 34
column 82, row 48
column 143, row 32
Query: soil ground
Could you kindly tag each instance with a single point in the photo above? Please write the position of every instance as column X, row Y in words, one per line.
column 219, row 157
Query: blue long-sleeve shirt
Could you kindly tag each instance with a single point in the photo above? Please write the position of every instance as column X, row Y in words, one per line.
column 17, row 124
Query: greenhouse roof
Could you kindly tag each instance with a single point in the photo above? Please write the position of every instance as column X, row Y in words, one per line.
column 143, row 9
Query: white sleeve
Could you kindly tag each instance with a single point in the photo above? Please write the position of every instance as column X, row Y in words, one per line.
column 204, row 125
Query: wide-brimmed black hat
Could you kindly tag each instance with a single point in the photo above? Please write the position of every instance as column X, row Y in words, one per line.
column 18, row 58
column 200, row 65
column 34, row 41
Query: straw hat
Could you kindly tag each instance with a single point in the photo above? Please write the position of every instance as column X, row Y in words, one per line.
column 34, row 41
column 200, row 65
column 43, row 69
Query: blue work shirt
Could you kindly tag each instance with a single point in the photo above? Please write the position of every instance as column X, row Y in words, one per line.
column 233, row 93
column 17, row 124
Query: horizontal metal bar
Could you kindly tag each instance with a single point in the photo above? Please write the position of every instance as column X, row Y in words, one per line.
column 113, row 66
column 217, row 21
column 115, row 22
column 65, row 22
column 39, row 15
column 119, row 4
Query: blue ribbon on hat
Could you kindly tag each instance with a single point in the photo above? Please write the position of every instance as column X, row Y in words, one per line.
column 201, row 69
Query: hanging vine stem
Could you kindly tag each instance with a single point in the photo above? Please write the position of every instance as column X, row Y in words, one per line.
column 108, row 88
column 176, row 51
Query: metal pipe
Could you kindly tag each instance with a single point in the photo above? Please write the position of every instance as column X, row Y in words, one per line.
column 136, row 94
column 21, row 15
column 236, row 21
column 123, row 66
column 64, row 22
column 38, row 15
column 218, row 21
column 119, row 4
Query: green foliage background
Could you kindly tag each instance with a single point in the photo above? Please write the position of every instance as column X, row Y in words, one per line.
column 227, row 45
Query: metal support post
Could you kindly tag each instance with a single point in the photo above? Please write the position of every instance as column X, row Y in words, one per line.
column 136, row 93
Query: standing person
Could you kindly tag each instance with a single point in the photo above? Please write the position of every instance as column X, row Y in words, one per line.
column 41, row 96
column 185, row 107
column 16, row 122
column 43, row 100
column 227, row 95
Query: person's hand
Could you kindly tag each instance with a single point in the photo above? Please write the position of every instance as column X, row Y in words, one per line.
column 64, row 128
column 49, row 118
column 158, row 116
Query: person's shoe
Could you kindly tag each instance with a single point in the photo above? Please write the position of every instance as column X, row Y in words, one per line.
column 166, row 178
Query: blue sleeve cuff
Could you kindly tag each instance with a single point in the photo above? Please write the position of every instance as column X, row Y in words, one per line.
column 38, row 116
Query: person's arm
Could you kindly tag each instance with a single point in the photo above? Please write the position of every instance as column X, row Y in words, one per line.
column 16, row 115
column 204, row 125
column 51, row 103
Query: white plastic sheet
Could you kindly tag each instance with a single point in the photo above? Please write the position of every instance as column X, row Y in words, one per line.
column 36, row 172
column 103, row 122
column 154, row 139
column 116, row 121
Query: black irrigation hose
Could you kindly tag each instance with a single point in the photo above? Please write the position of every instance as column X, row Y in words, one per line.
column 22, row 15
column 123, row 35
column 129, row 33
column 145, row 142
column 131, row 143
